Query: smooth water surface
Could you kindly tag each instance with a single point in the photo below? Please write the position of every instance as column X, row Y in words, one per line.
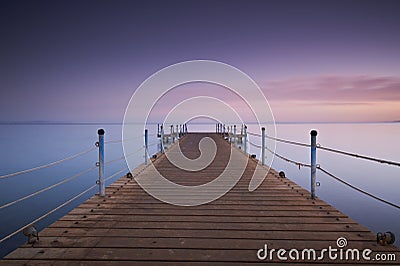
column 26, row 146
column 382, row 180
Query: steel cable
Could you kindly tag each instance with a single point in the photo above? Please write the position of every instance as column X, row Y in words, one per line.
column 123, row 157
column 289, row 141
column 126, row 140
column 253, row 134
column 49, row 164
column 383, row 161
column 48, row 213
column 299, row 164
column 358, row 156
column 255, row 145
column 281, row 140
column 336, row 178
column 48, row 188
column 63, row 181
column 356, row 188
column 57, row 208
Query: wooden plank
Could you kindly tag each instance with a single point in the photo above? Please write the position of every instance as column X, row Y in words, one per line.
column 209, row 218
column 128, row 225
column 261, row 202
column 158, row 254
column 330, row 235
column 211, row 226
column 210, row 207
column 216, row 212
column 176, row 242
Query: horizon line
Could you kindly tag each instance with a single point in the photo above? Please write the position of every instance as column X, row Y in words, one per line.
column 198, row 123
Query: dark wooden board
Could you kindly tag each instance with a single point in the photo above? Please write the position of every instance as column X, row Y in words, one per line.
column 128, row 226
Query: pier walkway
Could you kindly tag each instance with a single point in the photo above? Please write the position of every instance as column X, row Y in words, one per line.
column 129, row 226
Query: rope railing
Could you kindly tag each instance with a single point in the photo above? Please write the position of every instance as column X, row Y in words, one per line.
column 300, row 164
column 253, row 134
column 356, row 188
column 47, row 214
column 49, row 164
column 255, row 145
column 116, row 173
column 61, row 160
column 48, row 188
column 99, row 183
column 288, row 141
column 65, row 180
column 114, row 160
column 358, row 156
column 121, row 140
column 355, row 155
column 336, row 178
column 57, row 208
column 276, row 154
column 123, row 157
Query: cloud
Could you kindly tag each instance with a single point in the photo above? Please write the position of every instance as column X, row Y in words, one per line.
column 335, row 89
column 336, row 103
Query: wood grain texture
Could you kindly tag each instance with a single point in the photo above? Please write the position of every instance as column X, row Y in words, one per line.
column 129, row 227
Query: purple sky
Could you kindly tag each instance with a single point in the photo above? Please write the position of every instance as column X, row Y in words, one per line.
column 314, row 60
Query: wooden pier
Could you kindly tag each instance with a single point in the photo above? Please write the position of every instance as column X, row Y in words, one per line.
column 128, row 226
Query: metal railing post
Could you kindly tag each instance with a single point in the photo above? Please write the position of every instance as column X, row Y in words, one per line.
column 171, row 135
column 313, row 134
column 102, row 187
column 177, row 132
column 146, row 146
column 162, row 138
column 263, row 145
column 245, row 139
column 234, row 134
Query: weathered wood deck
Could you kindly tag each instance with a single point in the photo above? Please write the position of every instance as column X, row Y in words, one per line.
column 128, row 226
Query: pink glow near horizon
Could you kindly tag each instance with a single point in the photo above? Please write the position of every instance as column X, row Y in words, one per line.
column 332, row 61
column 335, row 98
column 314, row 99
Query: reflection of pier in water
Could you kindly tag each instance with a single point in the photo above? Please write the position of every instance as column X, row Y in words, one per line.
column 128, row 225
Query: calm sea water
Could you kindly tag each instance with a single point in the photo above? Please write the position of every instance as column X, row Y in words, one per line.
column 26, row 146
column 382, row 180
